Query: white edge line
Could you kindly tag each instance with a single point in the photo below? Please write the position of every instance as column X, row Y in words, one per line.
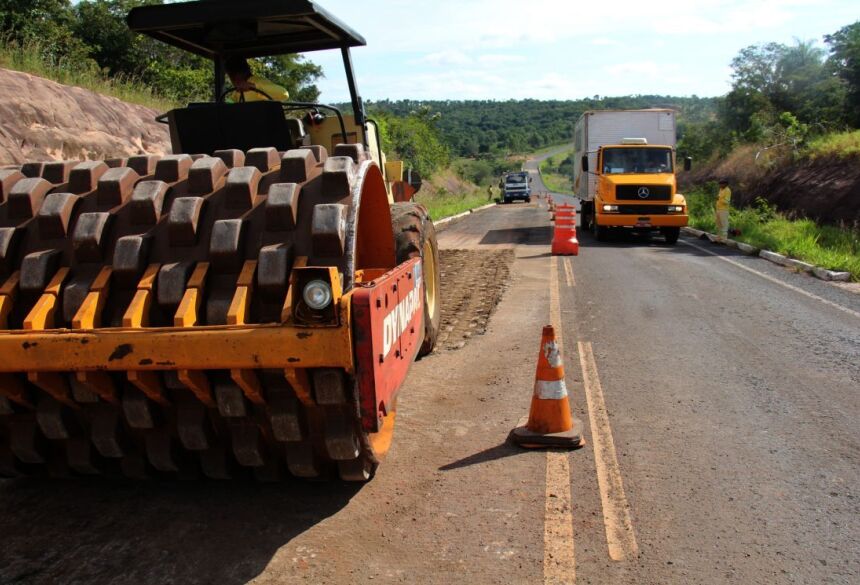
column 851, row 312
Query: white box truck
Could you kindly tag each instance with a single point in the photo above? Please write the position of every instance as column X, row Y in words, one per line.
column 625, row 176
column 516, row 186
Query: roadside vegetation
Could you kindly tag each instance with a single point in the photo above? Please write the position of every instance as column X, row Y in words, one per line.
column 32, row 57
column 446, row 194
column 837, row 144
column 557, row 172
column 87, row 43
column 762, row 226
column 785, row 98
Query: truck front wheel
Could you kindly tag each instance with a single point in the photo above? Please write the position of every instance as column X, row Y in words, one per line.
column 585, row 218
column 600, row 232
column 671, row 234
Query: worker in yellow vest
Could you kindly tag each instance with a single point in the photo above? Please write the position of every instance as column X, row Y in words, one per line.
column 251, row 88
column 724, row 205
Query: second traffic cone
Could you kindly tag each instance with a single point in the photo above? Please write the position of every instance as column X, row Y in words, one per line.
column 549, row 423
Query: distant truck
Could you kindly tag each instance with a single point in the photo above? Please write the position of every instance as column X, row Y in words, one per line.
column 516, row 186
column 626, row 174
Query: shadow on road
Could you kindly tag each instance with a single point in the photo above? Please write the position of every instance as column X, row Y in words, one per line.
column 622, row 238
column 491, row 454
column 99, row 531
column 526, row 236
column 544, row 255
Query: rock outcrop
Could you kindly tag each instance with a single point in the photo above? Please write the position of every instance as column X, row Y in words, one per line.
column 44, row 120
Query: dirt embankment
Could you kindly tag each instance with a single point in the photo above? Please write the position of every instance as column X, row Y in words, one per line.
column 825, row 189
column 44, row 120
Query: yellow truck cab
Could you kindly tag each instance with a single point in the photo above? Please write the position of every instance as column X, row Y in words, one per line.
column 629, row 183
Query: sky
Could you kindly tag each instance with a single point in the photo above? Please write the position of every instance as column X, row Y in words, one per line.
column 552, row 49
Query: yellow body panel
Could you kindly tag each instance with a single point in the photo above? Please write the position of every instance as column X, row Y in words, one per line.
column 170, row 348
column 328, row 134
column 606, row 186
column 622, row 220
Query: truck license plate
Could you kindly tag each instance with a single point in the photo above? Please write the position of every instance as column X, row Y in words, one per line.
column 643, row 222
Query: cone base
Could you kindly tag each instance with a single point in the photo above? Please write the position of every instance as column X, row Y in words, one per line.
column 527, row 439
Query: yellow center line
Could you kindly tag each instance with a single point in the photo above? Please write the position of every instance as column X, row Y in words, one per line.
column 554, row 304
column 559, row 560
column 620, row 537
column 568, row 272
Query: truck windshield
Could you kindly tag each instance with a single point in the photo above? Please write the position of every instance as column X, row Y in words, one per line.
column 618, row 161
column 516, row 179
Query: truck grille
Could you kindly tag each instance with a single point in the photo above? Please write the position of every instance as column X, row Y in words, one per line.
column 643, row 209
column 655, row 192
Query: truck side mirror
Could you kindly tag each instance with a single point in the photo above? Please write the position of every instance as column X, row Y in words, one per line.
column 688, row 163
column 530, row 179
column 585, row 163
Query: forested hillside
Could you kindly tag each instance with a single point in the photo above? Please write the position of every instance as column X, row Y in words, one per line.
column 472, row 128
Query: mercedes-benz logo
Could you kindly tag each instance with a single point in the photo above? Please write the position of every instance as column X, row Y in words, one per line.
column 643, row 192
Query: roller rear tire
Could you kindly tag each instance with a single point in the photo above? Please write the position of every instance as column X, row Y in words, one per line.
column 415, row 236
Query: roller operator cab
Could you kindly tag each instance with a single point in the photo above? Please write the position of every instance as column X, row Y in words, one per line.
column 629, row 182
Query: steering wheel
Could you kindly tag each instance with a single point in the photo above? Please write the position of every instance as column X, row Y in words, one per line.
column 230, row 90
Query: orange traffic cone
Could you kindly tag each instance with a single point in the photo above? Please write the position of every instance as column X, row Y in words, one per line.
column 549, row 423
column 564, row 242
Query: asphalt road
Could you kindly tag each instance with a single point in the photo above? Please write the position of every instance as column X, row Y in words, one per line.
column 719, row 397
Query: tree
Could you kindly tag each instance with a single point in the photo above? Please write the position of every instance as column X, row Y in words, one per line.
column 845, row 61
column 176, row 74
column 414, row 138
column 45, row 23
column 294, row 72
column 773, row 78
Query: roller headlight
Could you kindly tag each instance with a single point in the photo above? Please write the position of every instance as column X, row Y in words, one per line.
column 317, row 294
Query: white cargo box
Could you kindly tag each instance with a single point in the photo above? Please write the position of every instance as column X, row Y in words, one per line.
column 600, row 127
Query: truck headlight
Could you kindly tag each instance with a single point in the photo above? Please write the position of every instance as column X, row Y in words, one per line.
column 610, row 208
column 676, row 208
column 317, row 294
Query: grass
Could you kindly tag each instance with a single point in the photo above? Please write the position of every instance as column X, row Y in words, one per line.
column 442, row 205
column 556, row 182
column 835, row 248
column 838, row 144
column 446, row 194
column 32, row 58
column 551, row 148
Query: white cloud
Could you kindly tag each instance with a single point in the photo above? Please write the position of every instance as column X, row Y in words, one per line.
column 554, row 49
column 446, row 58
column 471, row 24
column 636, row 68
column 501, row 59
column 604, row 42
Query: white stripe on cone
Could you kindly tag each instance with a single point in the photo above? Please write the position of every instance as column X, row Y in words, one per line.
column 552, row 354
column 550, row 390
